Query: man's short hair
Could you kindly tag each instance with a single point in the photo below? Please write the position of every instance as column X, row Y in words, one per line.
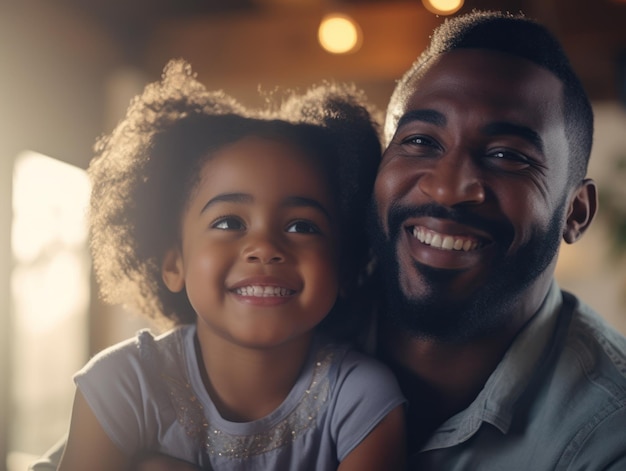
column 522, row 37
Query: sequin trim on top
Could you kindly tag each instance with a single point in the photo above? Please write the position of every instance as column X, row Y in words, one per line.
column 190, row 414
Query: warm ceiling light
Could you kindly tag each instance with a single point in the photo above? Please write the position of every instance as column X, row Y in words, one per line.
column 339, row 34
column 443, row 7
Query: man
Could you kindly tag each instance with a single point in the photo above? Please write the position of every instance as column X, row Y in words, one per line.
column 488, row 137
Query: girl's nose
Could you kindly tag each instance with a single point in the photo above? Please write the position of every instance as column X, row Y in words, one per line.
column 263, row 249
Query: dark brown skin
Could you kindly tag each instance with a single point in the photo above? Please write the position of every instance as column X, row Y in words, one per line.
column 262, row 216
column 458, row 161
column 452, row 150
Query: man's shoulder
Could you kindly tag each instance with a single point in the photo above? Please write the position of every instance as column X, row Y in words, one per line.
column 574, row 401
column 591, row 374
column 588, row 387
column 599, row 349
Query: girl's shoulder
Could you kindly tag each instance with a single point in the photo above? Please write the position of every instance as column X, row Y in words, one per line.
column 363, row 392
column 345, row 360
column 123, row 385
column 144, row 353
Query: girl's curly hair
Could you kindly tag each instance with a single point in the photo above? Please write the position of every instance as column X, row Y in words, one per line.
column 144, row 172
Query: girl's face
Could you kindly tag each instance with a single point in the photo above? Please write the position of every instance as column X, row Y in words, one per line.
column 259, row 251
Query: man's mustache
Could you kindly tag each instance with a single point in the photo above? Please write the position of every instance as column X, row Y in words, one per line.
column 398, row 214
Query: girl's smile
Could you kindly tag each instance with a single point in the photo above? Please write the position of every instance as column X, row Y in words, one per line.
column 258, row 257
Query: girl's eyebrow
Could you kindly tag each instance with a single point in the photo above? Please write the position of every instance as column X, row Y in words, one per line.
column 245, row 198
column 303, row 201
column 228, row 198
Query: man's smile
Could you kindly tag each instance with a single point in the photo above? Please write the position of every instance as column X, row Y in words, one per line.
column 444, row 241
column 447, row 244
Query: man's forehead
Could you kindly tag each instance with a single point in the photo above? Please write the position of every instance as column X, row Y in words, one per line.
column 460, row 68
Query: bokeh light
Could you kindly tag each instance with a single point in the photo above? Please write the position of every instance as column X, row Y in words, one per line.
column 339, row 34
column 443, row 7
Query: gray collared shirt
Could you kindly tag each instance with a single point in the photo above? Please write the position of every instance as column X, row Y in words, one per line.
column 556, row 401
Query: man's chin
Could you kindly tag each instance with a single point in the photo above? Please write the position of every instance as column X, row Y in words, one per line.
column 452, row 306
column 435, row 317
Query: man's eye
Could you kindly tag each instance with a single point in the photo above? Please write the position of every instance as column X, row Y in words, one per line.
column 420, row 141
column 303, row 227
column 419, row 145
column 228, row 224
column 509, row 159
column 504, row 154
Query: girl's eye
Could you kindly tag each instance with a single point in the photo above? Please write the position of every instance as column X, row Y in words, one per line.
column 303, row 227
column 228, row 223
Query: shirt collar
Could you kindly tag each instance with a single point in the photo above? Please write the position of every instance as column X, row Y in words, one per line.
column 496, row 402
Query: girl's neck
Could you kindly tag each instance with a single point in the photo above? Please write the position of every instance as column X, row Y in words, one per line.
column 246, row 384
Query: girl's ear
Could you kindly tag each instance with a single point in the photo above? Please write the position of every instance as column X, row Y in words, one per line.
column 583, row 207
column 172, row 270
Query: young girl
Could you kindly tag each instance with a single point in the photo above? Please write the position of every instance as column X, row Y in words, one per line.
column 248, row 231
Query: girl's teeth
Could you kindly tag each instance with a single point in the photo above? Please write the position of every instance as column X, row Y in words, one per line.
column 262, row 291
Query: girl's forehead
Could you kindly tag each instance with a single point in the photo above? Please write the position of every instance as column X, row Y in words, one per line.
column 253, row 148
column 265, row 165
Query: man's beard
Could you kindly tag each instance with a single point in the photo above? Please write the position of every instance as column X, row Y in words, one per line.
column 434, row 314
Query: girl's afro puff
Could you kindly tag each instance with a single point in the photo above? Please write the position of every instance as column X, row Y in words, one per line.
column 144, row 171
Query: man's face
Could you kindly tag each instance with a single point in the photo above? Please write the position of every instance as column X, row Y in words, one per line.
column 471, row 194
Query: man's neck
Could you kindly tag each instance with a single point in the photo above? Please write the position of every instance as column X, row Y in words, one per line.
column 457, row 372
column 440, row 378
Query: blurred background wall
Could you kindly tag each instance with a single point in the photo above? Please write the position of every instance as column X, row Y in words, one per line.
column 68, row 70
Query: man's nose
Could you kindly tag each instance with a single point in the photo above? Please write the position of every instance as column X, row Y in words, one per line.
column 452, row 181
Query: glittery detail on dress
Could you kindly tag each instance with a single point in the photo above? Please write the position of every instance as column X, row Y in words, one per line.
column 189, row 410
column 191, row 415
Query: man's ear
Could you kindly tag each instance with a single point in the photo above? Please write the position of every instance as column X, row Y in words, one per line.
column 172, row 270
column 582, row 209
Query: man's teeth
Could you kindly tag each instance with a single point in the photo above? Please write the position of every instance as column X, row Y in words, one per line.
column 444, row 242
column 263, row 291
